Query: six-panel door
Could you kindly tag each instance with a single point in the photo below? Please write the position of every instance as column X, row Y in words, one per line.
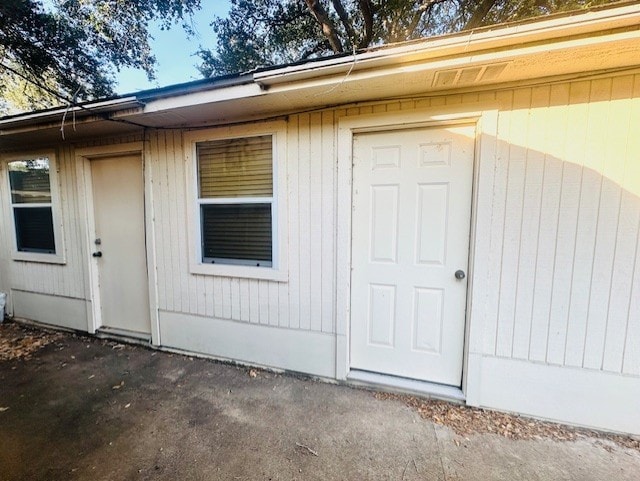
column 411, row 220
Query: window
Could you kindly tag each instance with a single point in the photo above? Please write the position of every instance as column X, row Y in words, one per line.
column 31, row 204
column 235, row 194
column 33, row 196
column 237, row 226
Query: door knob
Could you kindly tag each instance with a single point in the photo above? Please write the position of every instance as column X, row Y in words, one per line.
column 97, row 254
column 460, row 274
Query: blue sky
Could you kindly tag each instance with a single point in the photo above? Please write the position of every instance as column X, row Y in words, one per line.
column 174, row 51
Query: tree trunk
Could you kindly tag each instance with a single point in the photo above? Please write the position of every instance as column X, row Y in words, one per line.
column 367, row 13
column 328, row 29
column 344, row 18
column 480, row 13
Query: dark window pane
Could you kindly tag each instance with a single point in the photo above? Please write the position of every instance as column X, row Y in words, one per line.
column 34, row 229
column 237, row 232
column 30, row 181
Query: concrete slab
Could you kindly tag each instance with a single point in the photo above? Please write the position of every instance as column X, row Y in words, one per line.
column 83, row 409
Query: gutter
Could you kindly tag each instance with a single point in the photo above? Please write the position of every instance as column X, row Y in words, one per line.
column 472, row 44
column 42, row 116
column 128, row 102
column 487, row 38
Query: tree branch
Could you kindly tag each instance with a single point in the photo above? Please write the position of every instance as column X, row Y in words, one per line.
column 367, row 14
column 317, row 48
column 479, row 14
column 328, row 29
column 344, row 18
column 425, row 7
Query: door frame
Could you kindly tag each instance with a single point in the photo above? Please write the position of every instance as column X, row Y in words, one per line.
column 485, row 119
column 87, row 212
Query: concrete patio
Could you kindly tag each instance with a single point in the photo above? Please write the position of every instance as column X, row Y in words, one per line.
column 87, row 409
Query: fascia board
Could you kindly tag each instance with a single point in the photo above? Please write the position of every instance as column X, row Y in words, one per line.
column 490, row 39
column 203, row 97
column 482, row 58
column 86, row 111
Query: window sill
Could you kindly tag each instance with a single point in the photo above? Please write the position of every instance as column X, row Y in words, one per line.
column 227, row 270
column 40, row 258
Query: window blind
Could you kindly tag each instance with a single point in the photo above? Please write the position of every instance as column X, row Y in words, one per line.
column 31, row 203
column 29, row 186
column 235, row 167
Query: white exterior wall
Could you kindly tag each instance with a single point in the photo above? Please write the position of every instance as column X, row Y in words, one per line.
column 303, row 307
column 554, row 318
column 563, row 218
column 50, row 293
column 310, row 191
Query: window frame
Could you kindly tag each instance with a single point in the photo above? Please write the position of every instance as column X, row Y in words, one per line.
column 278, row 269
column 56, row 209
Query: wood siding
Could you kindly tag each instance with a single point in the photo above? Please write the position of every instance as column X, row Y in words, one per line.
column 306, row 301
column 563, row 210
column 66, row 280
column 556, row 278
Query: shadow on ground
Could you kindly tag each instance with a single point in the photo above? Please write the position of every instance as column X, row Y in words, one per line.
column 86, row 409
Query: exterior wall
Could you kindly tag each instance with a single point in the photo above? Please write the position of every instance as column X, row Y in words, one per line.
column 58, row 280
column 306, row 301
column 33, row 287
column 303, row 307
column 554, row 314
column 50, row 293
column 563, row 228
column 555, row 318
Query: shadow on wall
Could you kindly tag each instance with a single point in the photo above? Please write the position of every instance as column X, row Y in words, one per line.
column 558, row 226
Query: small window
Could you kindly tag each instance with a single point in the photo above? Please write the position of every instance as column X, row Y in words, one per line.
column 235, row 200
column 31, row 205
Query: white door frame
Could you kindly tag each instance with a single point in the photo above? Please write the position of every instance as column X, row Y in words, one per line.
column 485, row 118
column 85, row 194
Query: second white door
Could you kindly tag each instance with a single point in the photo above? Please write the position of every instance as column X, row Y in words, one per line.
column 411, row 222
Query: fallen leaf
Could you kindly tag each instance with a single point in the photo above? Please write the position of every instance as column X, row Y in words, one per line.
column 466, row 420
column 3, row 409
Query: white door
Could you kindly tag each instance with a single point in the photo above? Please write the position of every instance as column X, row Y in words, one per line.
column 411, row 220
column 119, row 244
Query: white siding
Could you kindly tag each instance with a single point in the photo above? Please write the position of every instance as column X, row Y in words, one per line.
column 62, row 280
column 560, row 286
column 306, row 301
column 68, row 279
column 556, row 276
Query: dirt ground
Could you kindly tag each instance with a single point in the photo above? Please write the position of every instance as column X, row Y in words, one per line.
column 80, row 408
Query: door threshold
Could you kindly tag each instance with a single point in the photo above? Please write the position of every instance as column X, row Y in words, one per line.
column 385, row 382
column 123, row 335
